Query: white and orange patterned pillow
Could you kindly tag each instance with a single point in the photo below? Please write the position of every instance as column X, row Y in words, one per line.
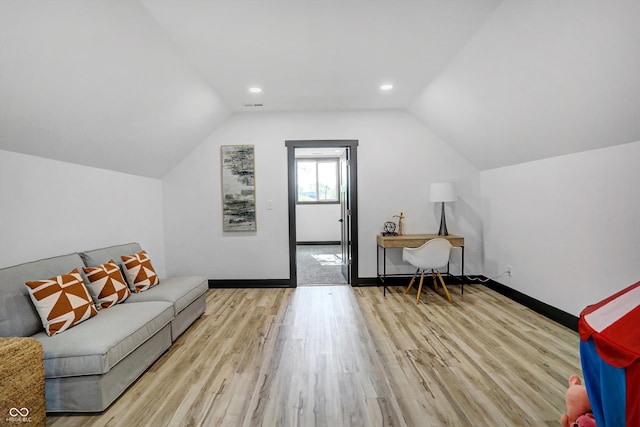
column 106, row 284
column 139, row 271
column 62, row 301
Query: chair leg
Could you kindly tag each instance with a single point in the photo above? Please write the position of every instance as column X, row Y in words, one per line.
column 420, row 287
column 413, row 279
column 446, row 291
column 435, row 283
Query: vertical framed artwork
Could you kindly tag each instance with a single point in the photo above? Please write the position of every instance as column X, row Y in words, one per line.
column 238, row 188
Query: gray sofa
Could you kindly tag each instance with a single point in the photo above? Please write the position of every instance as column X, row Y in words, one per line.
column 89, row 365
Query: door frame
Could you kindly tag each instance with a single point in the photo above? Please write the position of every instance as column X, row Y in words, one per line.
column 352, row 146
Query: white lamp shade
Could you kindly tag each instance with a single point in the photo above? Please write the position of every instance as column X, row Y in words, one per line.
column 443, row 192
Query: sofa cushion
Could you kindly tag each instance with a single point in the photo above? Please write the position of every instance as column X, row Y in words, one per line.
column 61, row 301
column 106, row 284
column 180, row 291
column 139, row 272
column 100, row 256
column 95, row 346
column 18, row 316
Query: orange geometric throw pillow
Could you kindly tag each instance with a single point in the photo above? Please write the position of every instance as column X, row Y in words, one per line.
column 106, row 284
column 139, row 271
column 62, row 301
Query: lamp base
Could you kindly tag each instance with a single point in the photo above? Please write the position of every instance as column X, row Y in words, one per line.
column 443, row 224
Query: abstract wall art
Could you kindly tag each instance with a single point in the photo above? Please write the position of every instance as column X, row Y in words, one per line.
column 238, row 188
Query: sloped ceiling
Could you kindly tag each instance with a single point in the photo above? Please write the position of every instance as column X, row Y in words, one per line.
column 99, row 83
column 540, row 79
column 134, row 86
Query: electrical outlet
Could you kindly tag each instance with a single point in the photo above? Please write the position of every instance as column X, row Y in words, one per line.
column 509, row 272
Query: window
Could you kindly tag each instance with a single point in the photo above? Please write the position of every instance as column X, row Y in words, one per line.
column 317, row 181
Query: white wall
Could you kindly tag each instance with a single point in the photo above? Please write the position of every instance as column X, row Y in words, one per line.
column 568, row 225
column 50, row 208
column 317, row 223
column 397, row 159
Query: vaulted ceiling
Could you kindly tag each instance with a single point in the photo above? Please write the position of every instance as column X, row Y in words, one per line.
column 134, row 86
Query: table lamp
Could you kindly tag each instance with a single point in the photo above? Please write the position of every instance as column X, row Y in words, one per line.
column 443, row 192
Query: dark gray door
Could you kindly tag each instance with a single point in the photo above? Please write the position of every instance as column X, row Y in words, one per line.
column 345, row 218
column 350, row 208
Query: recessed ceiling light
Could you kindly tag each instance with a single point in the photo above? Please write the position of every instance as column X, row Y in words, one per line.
column 255, row 89
column 386, row 87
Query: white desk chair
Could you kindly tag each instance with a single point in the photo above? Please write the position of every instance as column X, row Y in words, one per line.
column 433, row 255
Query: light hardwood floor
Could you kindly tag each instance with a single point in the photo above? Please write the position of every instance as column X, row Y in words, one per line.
column 342, row 356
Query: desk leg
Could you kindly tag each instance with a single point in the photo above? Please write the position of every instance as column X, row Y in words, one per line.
column 378, row 265
column 381, row 277
column 384, row 272
column 378, row 276
column 462, row 273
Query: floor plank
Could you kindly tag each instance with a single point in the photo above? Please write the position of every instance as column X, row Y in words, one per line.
column 342, row 356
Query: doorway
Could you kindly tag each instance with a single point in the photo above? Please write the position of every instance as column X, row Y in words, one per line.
column 319, row 264
column 348, row 243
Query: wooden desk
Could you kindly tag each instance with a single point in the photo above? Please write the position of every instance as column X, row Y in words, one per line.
column 411, row 241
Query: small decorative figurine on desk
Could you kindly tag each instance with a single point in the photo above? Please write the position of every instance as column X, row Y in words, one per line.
column 400, row 224
column 389, row 229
